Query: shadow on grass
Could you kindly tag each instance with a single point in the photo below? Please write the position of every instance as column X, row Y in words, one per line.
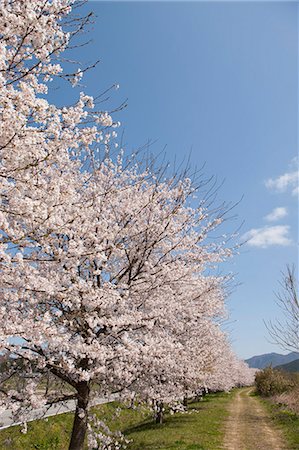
column 194, row 430
column 175, row 421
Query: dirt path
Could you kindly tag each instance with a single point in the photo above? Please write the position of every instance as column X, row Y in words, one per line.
column 249, row 427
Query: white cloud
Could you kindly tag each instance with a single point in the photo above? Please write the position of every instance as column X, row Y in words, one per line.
column 287, row 181
column 267, row 236
column 276, row 214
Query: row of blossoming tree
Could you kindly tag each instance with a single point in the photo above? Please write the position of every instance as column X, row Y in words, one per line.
column 107, row 270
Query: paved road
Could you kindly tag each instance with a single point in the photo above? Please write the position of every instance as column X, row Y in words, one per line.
column 6, row 420
column 249, row 427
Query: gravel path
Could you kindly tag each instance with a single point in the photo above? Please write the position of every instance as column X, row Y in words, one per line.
column 249, row 427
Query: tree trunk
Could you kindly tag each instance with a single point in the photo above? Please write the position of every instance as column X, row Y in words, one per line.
column 80, row 419
column 185, row 402
column 159, row 412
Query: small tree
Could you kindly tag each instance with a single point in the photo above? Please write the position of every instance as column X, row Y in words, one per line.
column 285, row 331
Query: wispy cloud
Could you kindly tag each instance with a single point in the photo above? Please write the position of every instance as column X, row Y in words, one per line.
column 267, row 236
column 287, row 181
column 276, row 214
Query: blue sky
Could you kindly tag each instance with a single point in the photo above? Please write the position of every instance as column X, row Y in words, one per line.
column 220, row 78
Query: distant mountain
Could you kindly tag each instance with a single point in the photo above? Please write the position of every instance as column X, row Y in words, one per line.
column 271, row 359
column 289, row 367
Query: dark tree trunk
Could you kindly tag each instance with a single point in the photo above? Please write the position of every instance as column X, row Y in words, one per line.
column 199, row 397
column 159, row 412
column 185, row 402
column 132, row 403
column 80, row 419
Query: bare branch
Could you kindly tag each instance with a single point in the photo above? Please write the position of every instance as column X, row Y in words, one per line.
column 285, row 331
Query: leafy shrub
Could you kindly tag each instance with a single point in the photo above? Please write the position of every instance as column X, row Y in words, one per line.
column 270, row 382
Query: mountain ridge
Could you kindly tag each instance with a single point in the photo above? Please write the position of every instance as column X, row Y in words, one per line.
column 292, row 366
column 271, row 359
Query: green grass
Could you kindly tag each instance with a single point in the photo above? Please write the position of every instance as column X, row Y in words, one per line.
column 287, row 421
column 48, row 434
column 201, row 429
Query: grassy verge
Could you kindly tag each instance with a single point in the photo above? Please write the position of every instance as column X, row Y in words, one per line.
column 199, row 429
column 287, row 421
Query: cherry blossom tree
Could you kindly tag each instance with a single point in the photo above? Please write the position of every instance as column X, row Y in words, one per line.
column 44, row 151
column 107, row 268
column 181, row 366
column 229, row 371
